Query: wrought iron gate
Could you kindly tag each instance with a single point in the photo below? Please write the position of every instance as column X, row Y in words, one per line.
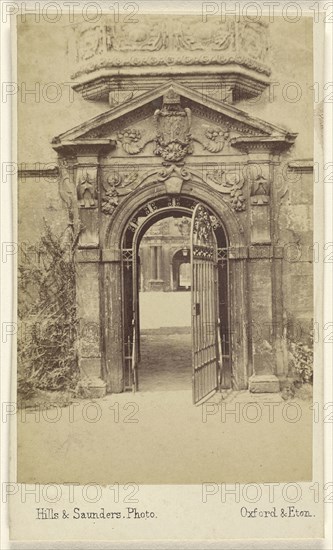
column 205, row 352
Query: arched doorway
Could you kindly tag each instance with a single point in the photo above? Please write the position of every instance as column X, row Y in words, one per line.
column 145, row 217
column 120, row 279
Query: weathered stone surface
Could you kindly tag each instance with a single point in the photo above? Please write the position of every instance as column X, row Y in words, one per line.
column 93, row 387
column 264, row 384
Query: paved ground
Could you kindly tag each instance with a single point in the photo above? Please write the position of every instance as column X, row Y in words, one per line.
column 159, row 436
column 165, row 361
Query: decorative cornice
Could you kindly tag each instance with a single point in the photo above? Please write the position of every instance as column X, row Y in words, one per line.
column 275, row 143
column 87, row 147
column 150, row 62
column 26, row 172
column 117, row 88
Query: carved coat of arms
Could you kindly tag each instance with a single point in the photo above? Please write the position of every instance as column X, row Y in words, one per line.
column 173, row 123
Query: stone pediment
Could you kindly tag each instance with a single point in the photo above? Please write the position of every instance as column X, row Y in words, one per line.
column 196, row 118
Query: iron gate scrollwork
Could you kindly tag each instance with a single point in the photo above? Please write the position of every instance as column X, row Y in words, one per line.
column 205, row 349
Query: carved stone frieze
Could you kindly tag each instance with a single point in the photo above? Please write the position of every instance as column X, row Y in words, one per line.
column 169, row 40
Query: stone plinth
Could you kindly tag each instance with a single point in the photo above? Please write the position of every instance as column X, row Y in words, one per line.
column 265, row 383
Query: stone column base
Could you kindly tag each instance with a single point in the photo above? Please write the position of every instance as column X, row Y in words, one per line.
column 264, row 383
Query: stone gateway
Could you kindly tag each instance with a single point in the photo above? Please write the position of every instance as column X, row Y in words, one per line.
column 176, row 138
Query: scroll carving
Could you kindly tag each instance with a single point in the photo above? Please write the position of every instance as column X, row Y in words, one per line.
column 173, row 177
column 117, row 186
column 230, row 183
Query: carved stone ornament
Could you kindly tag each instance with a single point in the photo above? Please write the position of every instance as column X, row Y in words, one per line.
column 116, row 179
column 173, row 177
column 65, row 182
column 169, row 40
column 86, row 187
column 173, row 123
column 129, row 139
column 259, row 191
column 110, row 201
column 231, row 183
column 217, row 138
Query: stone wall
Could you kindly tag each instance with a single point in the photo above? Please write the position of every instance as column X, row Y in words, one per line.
column 39, row 200
column 296, row 233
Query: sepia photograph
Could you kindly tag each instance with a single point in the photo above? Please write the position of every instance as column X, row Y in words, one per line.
column 165, row 269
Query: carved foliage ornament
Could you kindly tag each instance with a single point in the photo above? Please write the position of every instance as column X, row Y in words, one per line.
column 129, row 139
column 217, row 138
column 116, row 179
column 112, row 194
column 231, row 183
column 110, row 201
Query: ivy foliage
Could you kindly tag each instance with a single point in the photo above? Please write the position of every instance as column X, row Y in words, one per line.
column 47, row 343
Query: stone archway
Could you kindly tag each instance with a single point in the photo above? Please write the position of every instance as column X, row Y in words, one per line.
column 112, row 282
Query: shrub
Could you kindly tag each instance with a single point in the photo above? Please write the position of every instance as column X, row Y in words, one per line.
column 47, row 354
column 302, row 362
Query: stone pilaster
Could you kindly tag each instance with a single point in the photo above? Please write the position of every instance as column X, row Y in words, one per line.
column 261, row 258
column 112, row 320
column 88, row 308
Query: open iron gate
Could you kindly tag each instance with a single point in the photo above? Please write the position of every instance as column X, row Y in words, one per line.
column 205, row 344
